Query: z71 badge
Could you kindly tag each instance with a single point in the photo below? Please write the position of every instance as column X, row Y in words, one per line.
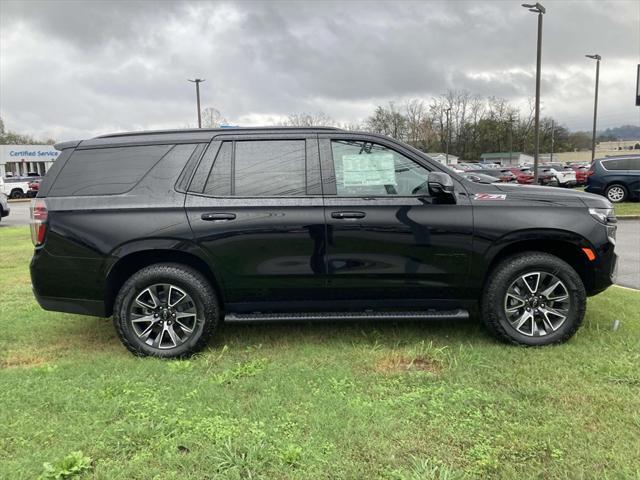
column 490, row 196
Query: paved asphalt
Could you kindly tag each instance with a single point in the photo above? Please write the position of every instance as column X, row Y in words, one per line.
column 627, row 246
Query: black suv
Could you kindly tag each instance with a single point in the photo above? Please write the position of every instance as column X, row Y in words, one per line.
column 173, row 231
column 617, row 178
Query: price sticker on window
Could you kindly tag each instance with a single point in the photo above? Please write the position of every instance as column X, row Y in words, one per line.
column 368, row 170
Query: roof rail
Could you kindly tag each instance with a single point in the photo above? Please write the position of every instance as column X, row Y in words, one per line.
column 226, row 130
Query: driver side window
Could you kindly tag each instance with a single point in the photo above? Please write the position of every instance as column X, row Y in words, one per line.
column 367, row 169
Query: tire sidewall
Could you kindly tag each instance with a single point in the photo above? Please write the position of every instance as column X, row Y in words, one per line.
column 206, row 310
column 543, row 263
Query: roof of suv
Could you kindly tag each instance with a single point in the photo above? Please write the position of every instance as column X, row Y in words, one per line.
column 188, row 135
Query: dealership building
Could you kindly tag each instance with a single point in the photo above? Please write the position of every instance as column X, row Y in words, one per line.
column 23, row 160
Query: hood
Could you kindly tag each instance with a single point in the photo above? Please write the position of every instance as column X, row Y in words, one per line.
column 554, row 194
column 538, row 194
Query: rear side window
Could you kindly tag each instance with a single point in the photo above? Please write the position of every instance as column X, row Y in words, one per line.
column 618, row 164
column 253, row 168
column 106, row 171
column 634, row 164
column 270, row 168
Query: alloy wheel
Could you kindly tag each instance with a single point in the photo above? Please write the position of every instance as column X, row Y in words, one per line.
column 163, row 316
column 615, row 194
column 537, row 304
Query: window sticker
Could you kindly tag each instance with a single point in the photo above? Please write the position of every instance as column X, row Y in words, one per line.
column 369, row 169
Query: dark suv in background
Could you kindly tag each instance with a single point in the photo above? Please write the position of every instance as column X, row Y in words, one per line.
column 173, row 231
column 617, row 178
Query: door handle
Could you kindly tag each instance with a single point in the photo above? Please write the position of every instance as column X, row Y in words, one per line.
column 342, row 215
column 212, row 217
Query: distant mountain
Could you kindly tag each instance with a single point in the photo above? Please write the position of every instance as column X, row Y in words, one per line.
column 624, row 132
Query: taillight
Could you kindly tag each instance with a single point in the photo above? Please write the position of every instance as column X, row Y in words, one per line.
column 39, row 217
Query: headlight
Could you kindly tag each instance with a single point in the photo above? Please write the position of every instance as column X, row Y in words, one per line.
column 603, row 215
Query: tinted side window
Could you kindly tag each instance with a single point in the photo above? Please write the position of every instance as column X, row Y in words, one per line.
column 619, row 164
column 219, row 180
column 369, row 169
column 269, row 168
column 202, row 172
column 634, row 164
column 105, row 171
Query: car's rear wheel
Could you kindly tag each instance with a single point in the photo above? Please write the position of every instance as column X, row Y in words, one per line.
column 166, row 310
column 533, row 298
column 616, row 193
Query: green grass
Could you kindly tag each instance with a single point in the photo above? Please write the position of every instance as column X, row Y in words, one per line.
column 627, row 208
column 401, row 401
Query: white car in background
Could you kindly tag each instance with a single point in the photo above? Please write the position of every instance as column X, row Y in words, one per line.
column 15, row 187
column 565, row 178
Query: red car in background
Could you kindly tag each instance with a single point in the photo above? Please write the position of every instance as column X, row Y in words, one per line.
column 582, row 172
column 524, row 175
column 33, row 188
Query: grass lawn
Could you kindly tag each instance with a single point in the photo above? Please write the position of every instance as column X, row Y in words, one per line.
column 627, row 208
column 367, row 400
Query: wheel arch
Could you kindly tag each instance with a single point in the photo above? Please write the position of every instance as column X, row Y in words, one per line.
column 566, row 246
column 130, row 263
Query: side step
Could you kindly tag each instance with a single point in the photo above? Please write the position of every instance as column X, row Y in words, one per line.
column 339, row 316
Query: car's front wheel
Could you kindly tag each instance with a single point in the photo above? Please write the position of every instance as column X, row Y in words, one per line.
column 533, row 298
column 616, row 193
column 166, row 310
column 16, row 193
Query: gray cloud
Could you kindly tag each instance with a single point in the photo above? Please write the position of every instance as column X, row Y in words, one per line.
column 75, row 69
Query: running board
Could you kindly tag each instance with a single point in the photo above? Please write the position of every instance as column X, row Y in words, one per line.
column 339, row 316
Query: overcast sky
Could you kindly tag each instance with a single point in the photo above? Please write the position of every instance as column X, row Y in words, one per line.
column 74, row 69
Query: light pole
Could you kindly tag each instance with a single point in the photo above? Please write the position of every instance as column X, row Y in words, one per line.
column 448, row 111
column 597, row 58
column 198, row 81
column 540, row 10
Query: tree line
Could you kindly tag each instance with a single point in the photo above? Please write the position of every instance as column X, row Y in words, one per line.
column 7, row 137
column 467, row 124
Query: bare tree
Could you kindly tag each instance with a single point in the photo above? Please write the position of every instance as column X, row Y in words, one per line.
column 212, row 118
column 318, row 119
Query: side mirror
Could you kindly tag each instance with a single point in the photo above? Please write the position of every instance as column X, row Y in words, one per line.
column 440, row 185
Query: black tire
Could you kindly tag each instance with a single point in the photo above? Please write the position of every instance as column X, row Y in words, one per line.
column 506, row 273
column 615, row 188
column 191, row 282
column 16, row 193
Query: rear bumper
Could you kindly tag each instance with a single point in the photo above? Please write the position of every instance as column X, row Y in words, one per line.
column 71, row 305
column 67, row 284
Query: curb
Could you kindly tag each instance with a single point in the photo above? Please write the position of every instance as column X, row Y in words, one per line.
column 19, row 200
column 626, row 288
column 628, row 217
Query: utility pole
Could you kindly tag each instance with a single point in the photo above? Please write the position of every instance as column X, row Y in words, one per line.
column 448, row 110
column 198, row 81
column 510, row 139
column 597, row 58
column 553, row 132
column 540, row 10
